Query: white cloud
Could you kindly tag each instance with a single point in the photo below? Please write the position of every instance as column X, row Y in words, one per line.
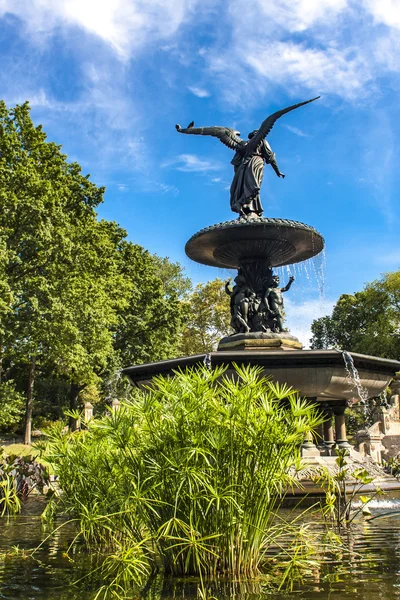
column 150, row 186
column 320, row 70
column 385, row 11
column 191, row 163
column 386, row 51
column 37, row 99
column 298, row 44
column 298, row 15
column 164, row 188
column 321, row 46
column 296, row 130
column 301, row 315
column 102, row 116
column 199, row 92
column 380, row 173
column 123, row 24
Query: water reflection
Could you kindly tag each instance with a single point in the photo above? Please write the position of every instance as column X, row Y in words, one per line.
column 369, row 572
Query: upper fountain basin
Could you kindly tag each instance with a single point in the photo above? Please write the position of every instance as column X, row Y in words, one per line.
column 277, row 241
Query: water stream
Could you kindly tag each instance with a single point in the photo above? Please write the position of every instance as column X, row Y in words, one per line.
column 354, row 377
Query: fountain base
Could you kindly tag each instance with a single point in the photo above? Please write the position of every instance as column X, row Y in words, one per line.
column 317, row 374
column 260, row 341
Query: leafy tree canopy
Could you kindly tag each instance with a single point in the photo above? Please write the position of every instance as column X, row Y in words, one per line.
column 175, row 282
column 207, row 318
column 150, row 323
column 367, row 321
column 76, row 299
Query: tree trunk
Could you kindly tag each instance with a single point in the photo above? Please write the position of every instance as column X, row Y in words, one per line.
column 29, row 403
column 73, row 404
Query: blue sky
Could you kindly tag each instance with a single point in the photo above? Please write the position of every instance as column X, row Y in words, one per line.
column 110, row 78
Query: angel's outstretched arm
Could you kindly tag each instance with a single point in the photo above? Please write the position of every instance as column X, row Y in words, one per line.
column 270, row 159
column 275, row 167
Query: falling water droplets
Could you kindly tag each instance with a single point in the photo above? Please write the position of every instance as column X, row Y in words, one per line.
column 383, row 399
column 306, row 271
column 354, row 377
column 318, row 266
column 113, row 386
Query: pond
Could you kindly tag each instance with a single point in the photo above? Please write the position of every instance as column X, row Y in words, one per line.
column 369, row 573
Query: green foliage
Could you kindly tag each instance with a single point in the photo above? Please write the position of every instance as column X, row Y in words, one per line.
column 19, row 475
column 149, row 324
column 174, row 281
column 11, row 406
column 208, row 318
column 367, row 322
column 341, row 490
column 361, row 416
column 393, row 466
column 44, row 203
column 189, row 473
column 77, row 301
column 51, row 399
column 60, row 265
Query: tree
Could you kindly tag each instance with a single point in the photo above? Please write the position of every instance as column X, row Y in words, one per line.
column 367, row 321
column 77, row 301
column 11, row 406
column 149, row 325
column 90, row 296
column 53, row 258
column 172, row 275
column 208, row 317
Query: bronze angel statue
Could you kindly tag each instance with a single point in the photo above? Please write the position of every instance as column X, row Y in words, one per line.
column 248, row 161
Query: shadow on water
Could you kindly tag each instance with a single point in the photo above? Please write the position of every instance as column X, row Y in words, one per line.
column 369, row 572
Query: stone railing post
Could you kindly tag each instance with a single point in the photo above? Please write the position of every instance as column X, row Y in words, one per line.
column 340, row 427
column 115, row 404
column 88, row 411
column 329, row 438
column 308, row 447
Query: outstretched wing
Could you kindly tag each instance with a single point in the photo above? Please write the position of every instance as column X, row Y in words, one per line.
column 268, row 124
column 227, row 136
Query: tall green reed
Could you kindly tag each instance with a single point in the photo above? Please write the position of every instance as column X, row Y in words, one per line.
column 187, row 474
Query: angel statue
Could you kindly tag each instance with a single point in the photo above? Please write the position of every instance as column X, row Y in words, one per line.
column 249, row 159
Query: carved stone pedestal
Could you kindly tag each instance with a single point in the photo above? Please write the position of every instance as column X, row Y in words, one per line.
column 308, row 448
column 260, row 341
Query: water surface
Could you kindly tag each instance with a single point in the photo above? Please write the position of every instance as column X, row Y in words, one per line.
column 370, row 572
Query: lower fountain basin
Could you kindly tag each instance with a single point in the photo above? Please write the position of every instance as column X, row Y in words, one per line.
column 277, row 241
column 319, row 374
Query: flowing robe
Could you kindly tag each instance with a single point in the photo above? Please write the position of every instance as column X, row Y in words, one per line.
column 246, row 184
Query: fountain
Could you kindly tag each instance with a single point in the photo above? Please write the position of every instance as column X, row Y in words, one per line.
column 254, row 245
